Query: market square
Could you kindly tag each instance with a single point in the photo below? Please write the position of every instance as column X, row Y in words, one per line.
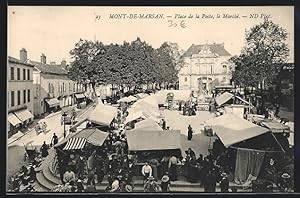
column 120, row 114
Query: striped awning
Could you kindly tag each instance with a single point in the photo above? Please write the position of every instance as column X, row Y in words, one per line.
column 75, row 144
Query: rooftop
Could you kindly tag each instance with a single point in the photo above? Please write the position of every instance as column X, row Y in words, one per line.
column 49, row 69
column 15, row 60
column 214, row 48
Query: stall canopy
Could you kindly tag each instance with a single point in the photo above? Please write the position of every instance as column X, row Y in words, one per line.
column 139, row 140
column 12, row 119
column 53, row 102
column 148, row 125
column 23, row 114
column 103, row 114
column 134, row 115
column 93, row 136
column 141, row 95
column 146, row 107
column 80, row 95
column 276, row 127
column 223, row 98
column 128, row 99
column 232, row 129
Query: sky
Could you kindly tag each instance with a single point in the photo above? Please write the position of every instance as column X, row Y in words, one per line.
column 55, row 30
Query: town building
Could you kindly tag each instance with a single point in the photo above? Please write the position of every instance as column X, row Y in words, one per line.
column 19, row 93
column 205, row 66
column 53, row 88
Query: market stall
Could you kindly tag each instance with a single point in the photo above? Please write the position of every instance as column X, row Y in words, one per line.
column 103, row 115
column 253, row 145
column 128, row 99
column 147, row 124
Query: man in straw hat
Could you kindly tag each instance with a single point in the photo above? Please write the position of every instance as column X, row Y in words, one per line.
column 151, row 185
column 165, row 183
column 224, row 184
column 285, row 182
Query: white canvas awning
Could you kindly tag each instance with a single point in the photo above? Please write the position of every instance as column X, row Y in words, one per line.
column 80, row 95
column 276, row 127
column 12, row 118
column 134, row 115
column 53, row 102
column 223, row 98
column 128, row 99
column 148, row 124
column 139, row 140
column 23, row 115
column 232, row 129
column 103, row 114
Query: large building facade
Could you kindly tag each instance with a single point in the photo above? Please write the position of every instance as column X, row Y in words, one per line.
column 205, row 66
column 53, row 88
column 19, row 93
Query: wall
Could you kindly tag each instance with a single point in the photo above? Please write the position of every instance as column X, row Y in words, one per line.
column 20, row 85
column 196, row 67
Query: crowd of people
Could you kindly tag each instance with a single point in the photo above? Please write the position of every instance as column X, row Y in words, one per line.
column 112, row 161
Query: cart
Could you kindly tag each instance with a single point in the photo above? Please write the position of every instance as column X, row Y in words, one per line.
column 31, row 151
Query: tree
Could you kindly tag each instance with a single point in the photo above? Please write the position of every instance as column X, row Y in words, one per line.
column 84, row 68
column 168, row 59
column 263, row 55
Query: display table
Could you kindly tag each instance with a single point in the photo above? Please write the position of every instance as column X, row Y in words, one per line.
column 203, row 106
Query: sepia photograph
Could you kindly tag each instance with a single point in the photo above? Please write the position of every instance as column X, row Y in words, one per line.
column 133, row 99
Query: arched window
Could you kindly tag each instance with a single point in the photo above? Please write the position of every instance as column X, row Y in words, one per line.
column 185, row 79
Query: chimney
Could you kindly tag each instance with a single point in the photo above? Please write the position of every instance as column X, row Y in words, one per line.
column 52, row 63
column 23, row 55
column 43, row 58
column 64, row 64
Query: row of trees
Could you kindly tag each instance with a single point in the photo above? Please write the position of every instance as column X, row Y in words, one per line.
column 127, row 65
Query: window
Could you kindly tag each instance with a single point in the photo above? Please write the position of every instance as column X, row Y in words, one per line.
column 185, row 79
column 28, row 95
column 211, row 69
column 19, row 97
column 52, row 86
column 12, row 102
column 63, row 87
column 24, row 96
column 18, row 74
column 24, row 74
column 41, row 103
column 224, row 68
column 74, row 87
column 12, row 73
column 28, row 74
column 49, row 87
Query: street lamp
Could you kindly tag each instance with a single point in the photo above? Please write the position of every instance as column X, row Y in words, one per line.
column 64, row 115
